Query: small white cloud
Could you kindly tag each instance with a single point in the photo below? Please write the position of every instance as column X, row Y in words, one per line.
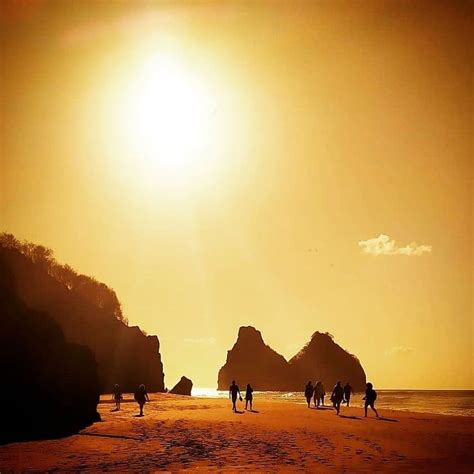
column 200, row 340
column 383, row 245
column 399, row 350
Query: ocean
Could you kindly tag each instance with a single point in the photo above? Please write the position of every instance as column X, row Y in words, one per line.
column 441, row 402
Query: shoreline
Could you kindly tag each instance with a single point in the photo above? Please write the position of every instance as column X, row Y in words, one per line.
column 356, row 402
column 179, row 432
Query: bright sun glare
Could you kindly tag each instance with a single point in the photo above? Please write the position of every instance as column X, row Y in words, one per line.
column 168, row 112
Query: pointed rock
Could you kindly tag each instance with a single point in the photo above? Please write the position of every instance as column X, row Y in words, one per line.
column 183, row 387
column 252, row 361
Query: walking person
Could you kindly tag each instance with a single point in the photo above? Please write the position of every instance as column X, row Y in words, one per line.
column 308, row 393
column 337, row 396
column 323, row 393
column 141, row 396
column 233, row 392
column 117, row 396
column 347, row 393
column 370, row 397
column 248, row 396
column 317, row 394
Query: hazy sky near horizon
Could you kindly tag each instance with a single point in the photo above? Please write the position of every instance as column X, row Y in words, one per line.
column 295, row 168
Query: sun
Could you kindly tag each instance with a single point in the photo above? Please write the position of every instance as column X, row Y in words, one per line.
column 167, row 112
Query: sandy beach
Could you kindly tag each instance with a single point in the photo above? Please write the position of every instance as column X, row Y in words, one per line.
column 183, row 433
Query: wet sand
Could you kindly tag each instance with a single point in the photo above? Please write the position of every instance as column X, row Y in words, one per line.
column 179, row 433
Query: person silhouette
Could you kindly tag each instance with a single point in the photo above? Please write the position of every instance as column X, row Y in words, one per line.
column 317, row 393
column 308, row 392
column 370, row 397
column 117, row 396
column 347, row 393
column 248, row 396
column 337, row 396
column 233, row 392
column 141, row 396
column 323, row 393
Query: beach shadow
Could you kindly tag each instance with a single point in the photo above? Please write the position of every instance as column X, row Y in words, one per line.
column 100, row 435
column 109, row 402
column 115, row 409
column 238, row 412
column 381, row 418
column 350, row 417
column 325, row 408
column 253, row 411
column 139, row 416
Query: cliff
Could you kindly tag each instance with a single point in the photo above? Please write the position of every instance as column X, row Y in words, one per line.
column 252, row 361
column 322, row 359
column 88, row 313
column 50, row 387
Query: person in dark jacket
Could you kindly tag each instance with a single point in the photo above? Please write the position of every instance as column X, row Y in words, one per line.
column 308, row 392
column 117, row 396
column 337, row 396
column 323, row 393
column 141, row 397
column 248, row 396
column 347, row 393
column 234, row 391
column 318, row 393
column 370, row 397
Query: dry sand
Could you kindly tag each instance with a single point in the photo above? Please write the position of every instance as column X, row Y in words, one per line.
column 179, row 433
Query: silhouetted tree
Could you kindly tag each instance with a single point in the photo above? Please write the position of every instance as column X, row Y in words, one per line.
column 88, row 312
column 94, row 291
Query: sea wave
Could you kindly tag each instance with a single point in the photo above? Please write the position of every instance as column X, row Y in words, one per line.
column 440, row 402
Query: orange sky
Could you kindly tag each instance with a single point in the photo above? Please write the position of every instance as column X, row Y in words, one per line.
column 306, row 132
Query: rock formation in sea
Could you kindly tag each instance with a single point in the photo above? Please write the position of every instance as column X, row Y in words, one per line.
column 252, row 361
column 322, row 359
column 88, row 313
column 50, row 387
column 183, row 387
